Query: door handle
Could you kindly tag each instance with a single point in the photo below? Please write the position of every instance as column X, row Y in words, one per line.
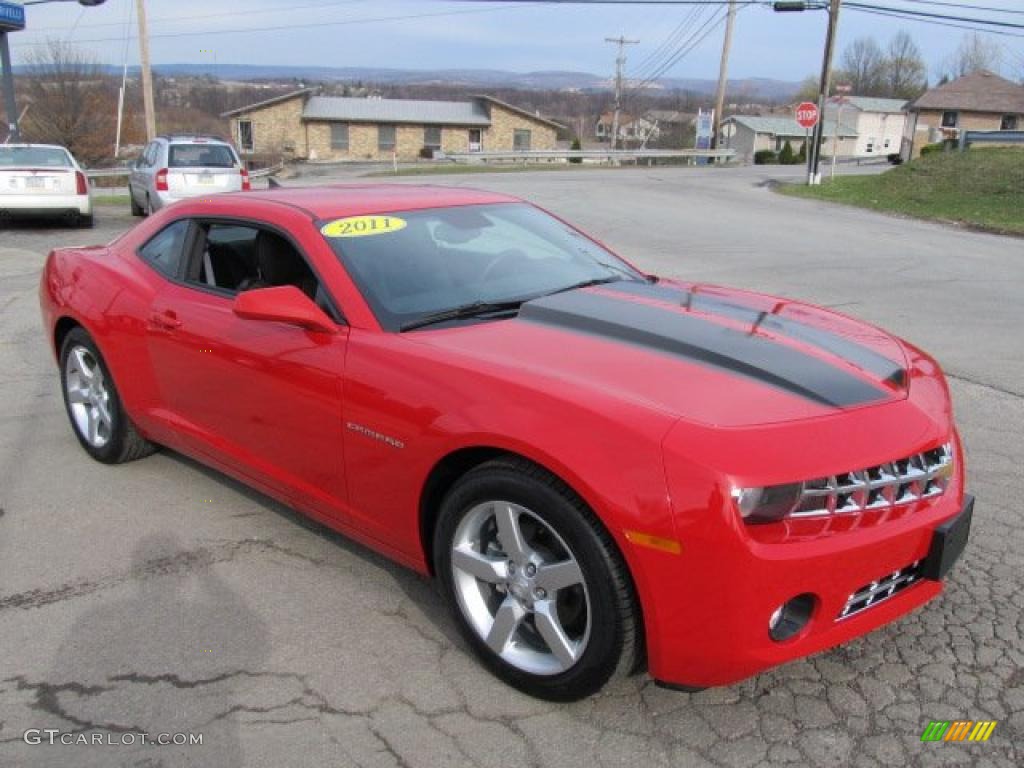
column 166, row 320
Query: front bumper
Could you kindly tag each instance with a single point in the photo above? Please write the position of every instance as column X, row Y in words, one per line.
column 717, row 631
column 46, row 205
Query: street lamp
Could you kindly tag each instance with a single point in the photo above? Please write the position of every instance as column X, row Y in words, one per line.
column 12, row 19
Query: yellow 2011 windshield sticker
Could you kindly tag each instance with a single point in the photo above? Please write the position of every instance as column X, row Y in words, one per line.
column 363, row 226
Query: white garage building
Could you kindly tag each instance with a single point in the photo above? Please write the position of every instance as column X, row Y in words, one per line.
column 878, row 123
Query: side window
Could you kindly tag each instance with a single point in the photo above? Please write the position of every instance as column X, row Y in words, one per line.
column 238, row 257
column 165, row 250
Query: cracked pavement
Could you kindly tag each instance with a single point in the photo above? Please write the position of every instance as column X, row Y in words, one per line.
column 160, row 596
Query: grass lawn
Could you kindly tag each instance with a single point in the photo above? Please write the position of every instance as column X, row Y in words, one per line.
column 110, row 199
column 982, row 188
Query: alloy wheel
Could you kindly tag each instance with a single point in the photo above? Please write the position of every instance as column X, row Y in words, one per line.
column 520, row 588
column 88, row 397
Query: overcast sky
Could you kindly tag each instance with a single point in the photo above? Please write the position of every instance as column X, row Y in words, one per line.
column 459, row 35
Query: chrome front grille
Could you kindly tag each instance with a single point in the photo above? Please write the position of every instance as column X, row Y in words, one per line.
column 920, row 476
column 881, row 590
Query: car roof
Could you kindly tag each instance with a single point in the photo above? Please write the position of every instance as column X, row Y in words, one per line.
column 43, row 146
column 341, row 200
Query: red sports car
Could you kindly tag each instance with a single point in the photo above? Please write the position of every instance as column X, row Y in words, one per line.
column 602, row 469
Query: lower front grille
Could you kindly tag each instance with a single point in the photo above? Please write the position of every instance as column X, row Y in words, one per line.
column 879, row 591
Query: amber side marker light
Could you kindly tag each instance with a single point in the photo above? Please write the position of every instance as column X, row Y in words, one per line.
column 651, row 541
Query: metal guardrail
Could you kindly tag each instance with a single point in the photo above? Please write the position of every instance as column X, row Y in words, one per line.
column 113, row 173
column 990, row 137
column 590, row 154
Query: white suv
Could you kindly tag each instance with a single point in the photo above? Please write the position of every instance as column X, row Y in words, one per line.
column 175, row 167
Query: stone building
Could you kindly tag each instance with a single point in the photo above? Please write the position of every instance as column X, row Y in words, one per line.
column 305, row 126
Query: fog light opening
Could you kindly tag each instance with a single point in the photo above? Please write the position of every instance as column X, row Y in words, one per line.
column 790, row 618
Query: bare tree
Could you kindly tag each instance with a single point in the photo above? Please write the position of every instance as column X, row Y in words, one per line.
column 975, row 53
column 863, row 67
column 905, row 72
column 70, row 101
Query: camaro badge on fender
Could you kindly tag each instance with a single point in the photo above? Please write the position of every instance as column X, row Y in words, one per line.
column 394, row 443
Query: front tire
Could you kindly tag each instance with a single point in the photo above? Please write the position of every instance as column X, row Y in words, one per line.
column 534, row 582
column 94, row 408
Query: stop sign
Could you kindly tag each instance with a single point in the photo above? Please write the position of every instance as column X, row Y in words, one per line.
column 807, row 114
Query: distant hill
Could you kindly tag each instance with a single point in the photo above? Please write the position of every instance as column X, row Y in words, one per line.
column 755, row 88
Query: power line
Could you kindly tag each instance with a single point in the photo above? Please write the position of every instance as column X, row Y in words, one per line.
column 220, row 15
column 927, row 15
column 896, row 14
column 312, row 25
column 693, row 41
column 670, row 39
column 965, row 6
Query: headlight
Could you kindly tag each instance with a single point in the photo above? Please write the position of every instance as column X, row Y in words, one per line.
column 766, row 505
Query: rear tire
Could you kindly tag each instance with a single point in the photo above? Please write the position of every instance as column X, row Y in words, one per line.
column 93, row 405
column 136, row 208
column 535, row 583
column 86, row 222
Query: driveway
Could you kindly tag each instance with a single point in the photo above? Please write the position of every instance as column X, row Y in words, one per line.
column 162, row 597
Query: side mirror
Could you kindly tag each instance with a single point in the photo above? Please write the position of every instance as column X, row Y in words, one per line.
column 283, row 304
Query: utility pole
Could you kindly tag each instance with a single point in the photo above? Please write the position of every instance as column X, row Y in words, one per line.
column 814, row 156
column 10, row 107
column 723, row 73
column 620, row 63
column 147, row 74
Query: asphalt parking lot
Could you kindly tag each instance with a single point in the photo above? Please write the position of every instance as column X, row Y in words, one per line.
column 160, row 596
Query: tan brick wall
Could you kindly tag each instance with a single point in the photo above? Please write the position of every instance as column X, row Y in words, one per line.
column 499, row 136
column 929, row 120
column 277, row 129
column 363, row 142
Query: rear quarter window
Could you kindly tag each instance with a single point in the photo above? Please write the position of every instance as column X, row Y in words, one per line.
column 165, row 250
column 201, row 156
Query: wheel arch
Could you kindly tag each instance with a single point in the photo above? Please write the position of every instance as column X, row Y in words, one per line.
column 454, row 465
column 64, row 325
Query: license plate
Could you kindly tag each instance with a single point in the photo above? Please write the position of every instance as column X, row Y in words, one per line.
column 948, row 543
column 35, row 182
column 206, row 179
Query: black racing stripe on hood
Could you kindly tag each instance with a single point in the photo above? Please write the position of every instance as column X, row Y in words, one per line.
column 700, row 340
column 863, row 357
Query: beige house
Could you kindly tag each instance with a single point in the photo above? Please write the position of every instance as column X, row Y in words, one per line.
column 303, row 125
column 749, row 134
column 879, row 123
column 981, row 101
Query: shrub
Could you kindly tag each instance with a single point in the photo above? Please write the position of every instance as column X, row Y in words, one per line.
column 801, row 156
column 787, row 156
column 928, row 149
column 765, row 157
column 576, row 145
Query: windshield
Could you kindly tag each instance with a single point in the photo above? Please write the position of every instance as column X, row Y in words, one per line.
column 413, row 264
column 34, row 157
column 200, row 156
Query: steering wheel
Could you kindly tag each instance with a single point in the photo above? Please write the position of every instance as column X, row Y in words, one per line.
column 509, row 253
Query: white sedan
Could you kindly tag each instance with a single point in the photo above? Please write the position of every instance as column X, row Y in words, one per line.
column 43, row 180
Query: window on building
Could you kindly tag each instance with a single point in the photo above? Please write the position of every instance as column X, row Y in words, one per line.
column 870, row 146
column 432, row 137
column 1008, row 123
column 246, row 142
column 385, row 137
column 886, row 145
column 949, row 119
column 521, row 140
column 339, row 136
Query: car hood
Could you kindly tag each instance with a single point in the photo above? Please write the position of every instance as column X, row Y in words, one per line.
column 704, row 353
